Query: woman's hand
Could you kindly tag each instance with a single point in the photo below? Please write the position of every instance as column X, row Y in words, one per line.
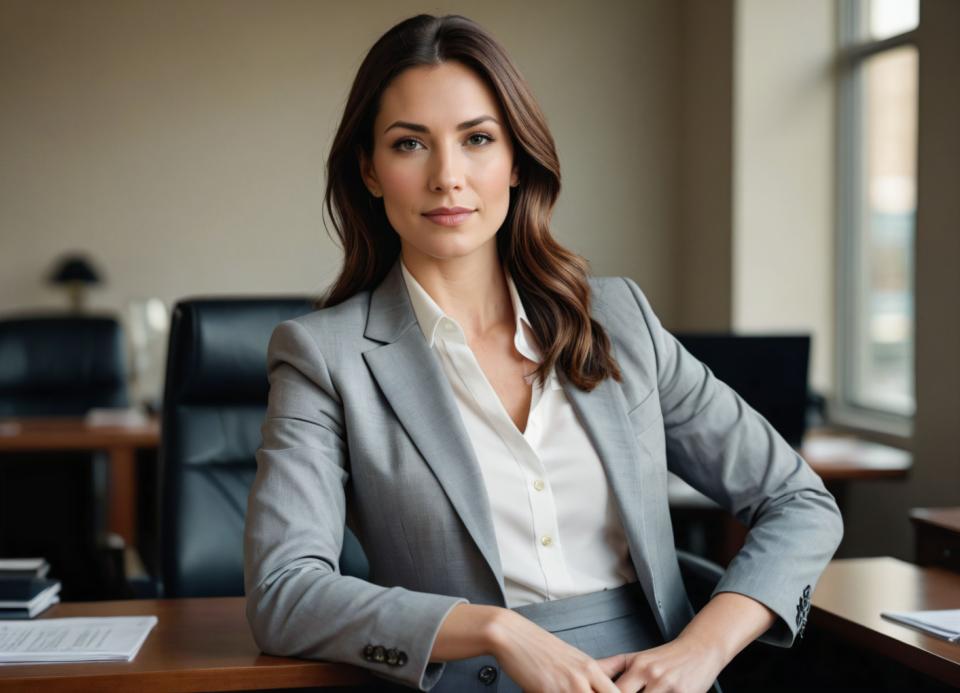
column 691, row 662
column 684, row 665
column 540, row 662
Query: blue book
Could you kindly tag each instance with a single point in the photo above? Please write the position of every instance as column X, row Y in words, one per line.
column 27, row 597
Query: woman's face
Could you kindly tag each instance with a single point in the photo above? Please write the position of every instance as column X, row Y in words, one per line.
column 440, row 140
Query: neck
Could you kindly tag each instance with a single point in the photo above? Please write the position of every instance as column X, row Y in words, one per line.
column 472, row 289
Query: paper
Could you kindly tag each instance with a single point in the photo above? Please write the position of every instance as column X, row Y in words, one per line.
column 9, row 428
column 943, row 623
column 116, row 417
column 115, row 638
column 18, row 564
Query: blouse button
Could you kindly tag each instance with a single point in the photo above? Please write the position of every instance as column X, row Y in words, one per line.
column 538, row 484
column 546, row 540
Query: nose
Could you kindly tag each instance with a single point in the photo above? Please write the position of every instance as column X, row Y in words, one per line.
column 446, row 171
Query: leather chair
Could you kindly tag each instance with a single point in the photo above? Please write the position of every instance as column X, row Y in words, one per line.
column 700, row 577
column 215, row 398
column 60, row 365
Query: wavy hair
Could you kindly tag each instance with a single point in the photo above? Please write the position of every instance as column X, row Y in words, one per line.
column 551, row 280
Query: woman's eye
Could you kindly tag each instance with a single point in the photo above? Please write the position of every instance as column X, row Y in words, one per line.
column 484, row 140
column 477, row 139
column 402, row 145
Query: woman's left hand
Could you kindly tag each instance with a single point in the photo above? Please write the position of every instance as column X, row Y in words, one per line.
column 684, row 665
column 691, row 662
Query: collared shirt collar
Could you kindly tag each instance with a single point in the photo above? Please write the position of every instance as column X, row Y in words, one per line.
column 431, row 317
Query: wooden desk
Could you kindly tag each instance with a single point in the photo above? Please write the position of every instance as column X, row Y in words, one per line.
column 119, row 442
column 843, row 457
column 937, row 537
column 197, row 645
column 852, row 593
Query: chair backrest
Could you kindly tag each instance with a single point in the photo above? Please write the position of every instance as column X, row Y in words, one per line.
column 60, row 365
column 57, row 365
column 214, row 402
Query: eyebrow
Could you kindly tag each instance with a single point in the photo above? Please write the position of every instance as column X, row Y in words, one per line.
column 416, row 127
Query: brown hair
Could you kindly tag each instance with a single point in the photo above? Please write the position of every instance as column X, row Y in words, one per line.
column 551, row 279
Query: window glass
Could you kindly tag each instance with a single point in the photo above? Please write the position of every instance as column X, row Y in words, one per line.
column 886, row 18
column 883, row 340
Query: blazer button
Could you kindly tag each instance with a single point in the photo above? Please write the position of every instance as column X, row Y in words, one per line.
column 392, row 657
column 379, row 653
column 368, row 652
column 401, row 658
column 487, row 675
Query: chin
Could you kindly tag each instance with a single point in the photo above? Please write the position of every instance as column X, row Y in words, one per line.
column 452, row 247
column 452, row 252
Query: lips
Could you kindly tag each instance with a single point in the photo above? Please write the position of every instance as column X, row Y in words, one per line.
column 449, row 216
column 447, row 211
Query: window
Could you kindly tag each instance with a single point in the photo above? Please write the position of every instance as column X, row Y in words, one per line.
column 877, row 145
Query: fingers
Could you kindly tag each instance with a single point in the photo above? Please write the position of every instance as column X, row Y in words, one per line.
column 600, row 680
column 614, row 665
column 631, row 682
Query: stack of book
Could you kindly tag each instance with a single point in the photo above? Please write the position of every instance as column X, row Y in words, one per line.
column 25, row 589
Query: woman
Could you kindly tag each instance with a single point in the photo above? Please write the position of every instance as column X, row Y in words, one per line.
column 494, row 426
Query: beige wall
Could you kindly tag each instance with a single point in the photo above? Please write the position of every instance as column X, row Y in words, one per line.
column 181, row 143
column 783, row 226
column 703, row 262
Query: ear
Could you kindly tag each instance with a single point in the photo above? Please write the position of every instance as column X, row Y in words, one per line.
column 368, row 175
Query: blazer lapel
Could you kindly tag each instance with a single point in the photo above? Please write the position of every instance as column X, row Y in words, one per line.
column 413, row 382
column 603, row 414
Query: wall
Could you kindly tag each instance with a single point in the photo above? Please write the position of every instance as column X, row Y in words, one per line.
column 182, row 144
column 703, row 267
column 783, row 218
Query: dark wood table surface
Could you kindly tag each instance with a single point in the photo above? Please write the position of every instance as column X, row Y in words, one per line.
column 119, row 442
column 936, row 533
column 197, row 645
column 853, row 592
column 944, row 518
column 838, row 456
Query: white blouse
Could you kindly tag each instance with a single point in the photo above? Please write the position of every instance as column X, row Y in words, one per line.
column 556, row 522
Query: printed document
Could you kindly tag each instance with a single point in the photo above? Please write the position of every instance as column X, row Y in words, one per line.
column 112, row 638
column 943, row 623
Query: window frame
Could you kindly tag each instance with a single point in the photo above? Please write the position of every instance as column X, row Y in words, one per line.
column 852, row 55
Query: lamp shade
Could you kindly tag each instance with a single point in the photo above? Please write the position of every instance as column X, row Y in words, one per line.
column 74, row 268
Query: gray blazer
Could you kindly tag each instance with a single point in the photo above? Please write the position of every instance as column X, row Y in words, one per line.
column 362, row 428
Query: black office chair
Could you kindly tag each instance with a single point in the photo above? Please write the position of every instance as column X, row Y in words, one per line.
column 700, row 577
column 215, row 399
column 60, row 365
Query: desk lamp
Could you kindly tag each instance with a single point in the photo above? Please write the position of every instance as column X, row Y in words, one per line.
column 76, row 274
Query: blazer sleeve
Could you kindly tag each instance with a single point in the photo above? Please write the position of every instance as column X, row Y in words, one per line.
column 722, row 447
column 298, row 603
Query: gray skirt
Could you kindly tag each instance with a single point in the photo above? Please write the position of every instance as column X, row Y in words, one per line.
column 600, row 624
